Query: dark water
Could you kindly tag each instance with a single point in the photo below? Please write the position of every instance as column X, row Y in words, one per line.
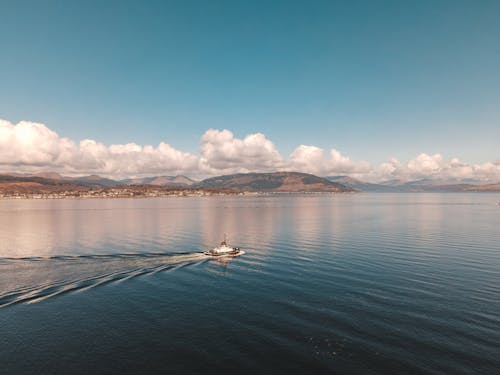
column 363, row 283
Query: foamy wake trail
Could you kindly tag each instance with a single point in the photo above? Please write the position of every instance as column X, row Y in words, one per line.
column 31, row 280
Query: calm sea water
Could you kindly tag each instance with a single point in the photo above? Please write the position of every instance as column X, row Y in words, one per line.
column 356, row 283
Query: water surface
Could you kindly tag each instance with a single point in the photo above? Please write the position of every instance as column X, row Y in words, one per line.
column 354, row 283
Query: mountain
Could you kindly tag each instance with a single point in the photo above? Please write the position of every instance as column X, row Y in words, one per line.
column 93, row 180
column 428, row 185
column 96, row 180
column 422, row 185
column 12, row 185
column 160, row 181
column 485, row 188
column 360, row 185
column 274, row 182
column 266, row 182
column 17, row 179
column 48, row 175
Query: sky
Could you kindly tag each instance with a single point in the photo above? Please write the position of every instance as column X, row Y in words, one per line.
column 371, row 89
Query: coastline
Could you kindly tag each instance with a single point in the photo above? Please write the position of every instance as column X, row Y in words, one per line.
column 127, row 194
column 116, row 194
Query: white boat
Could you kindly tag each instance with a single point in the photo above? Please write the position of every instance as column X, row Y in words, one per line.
column 223, row 249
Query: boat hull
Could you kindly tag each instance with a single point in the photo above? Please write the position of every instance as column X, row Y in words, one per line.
column 233, row 253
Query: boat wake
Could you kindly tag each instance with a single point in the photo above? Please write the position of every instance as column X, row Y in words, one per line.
column 34, row 279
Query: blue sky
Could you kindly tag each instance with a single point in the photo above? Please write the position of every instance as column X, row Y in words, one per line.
column 373, row 79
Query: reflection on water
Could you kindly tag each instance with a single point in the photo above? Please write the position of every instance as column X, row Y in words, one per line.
column 45, row 228
column 356, row 283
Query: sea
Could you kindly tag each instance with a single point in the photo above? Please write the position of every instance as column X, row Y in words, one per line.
column 328, row 284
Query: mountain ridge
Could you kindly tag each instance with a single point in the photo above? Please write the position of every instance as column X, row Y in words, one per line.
column 274, row 182
column 282, row 182
column 416, row 186
column 178, row 180
column 97, row 180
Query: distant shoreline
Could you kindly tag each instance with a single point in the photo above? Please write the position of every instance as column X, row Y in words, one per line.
column 180, row 194
column 198, row 194
column 116, row 194
column 55, row 186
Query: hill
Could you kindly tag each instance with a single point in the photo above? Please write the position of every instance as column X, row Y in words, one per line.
column 415, row 186
column 95, row 180
column 160, row 181
column 274, row 182
column 485, row 188
column 361, row 185
column 428, row 185
column 22, row 186
column 252, row 182
column 11, row 185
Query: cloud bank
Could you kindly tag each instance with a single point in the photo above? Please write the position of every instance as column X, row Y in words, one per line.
column 33, row 147
column 436, row 167
column 221, row 152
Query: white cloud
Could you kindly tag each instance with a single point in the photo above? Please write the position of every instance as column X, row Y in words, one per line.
column 425, row 165
column 221, row 152
column 436, row 167
column 32, row 147
column 29, row 143
column 312, row 159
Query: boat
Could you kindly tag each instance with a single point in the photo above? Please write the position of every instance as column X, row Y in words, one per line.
column 223, row 249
